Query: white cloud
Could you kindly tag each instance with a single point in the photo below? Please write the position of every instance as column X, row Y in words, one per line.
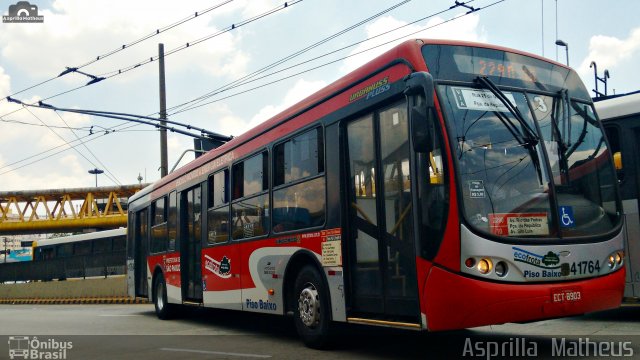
column 86, row 29
column 5, row 82
column 300, row 90
column 22, row 142
column 610, row 52
column 465, row 28
column 227, row 123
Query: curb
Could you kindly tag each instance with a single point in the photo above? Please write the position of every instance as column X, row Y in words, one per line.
column 63, row 301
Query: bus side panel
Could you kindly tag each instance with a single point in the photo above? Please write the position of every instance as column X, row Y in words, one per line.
column 221, row 276
column 170, row 265
column 241, row 275
column 265, row 272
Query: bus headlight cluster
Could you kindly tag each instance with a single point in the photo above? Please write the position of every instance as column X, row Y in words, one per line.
column 615, row 260
column 485, row 265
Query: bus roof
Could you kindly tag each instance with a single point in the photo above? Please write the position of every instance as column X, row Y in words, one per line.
column 83, row 237
column 618, row 106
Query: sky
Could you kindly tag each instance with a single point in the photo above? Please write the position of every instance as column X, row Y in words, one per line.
column 36, row 144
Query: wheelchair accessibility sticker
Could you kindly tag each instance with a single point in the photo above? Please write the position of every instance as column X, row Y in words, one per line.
column 566, row 216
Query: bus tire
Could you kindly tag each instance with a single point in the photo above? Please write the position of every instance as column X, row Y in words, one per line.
column 311, row 308
column 164, row 310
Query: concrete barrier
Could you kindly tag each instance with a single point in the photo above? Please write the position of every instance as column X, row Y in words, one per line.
column 111, row 287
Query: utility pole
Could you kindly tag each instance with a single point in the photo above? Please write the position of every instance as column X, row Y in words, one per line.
column 164, row 166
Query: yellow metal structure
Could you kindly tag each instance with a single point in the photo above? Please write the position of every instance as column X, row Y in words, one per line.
column 40, row 211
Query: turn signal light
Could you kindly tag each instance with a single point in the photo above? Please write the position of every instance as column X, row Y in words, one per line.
column 484, row 266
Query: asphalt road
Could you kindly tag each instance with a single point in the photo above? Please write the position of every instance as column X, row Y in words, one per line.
column 133, row 332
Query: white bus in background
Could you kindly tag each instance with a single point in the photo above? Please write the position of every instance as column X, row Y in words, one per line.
column 620, row 116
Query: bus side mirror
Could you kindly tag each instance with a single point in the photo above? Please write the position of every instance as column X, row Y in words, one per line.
column 420, row 84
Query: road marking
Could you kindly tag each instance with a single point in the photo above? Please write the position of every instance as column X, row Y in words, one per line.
column 215, row 353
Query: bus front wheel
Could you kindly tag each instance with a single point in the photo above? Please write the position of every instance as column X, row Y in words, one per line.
column 311, row 308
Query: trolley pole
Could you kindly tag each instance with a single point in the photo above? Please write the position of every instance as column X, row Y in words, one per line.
column 164, row 166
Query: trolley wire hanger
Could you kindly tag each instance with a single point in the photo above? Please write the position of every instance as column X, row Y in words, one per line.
column 94, row 79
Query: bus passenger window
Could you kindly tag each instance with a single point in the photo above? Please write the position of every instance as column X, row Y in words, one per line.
column 159, row 226
column 250, row 215
column 299, row 204
column 218, row 213
column 172, row 222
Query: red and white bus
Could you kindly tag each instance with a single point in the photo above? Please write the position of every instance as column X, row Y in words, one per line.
column 443, row 185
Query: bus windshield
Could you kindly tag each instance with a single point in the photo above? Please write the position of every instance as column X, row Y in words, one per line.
column 531, row 158
column 502, row 176
column 503, row 170
column 580, row 164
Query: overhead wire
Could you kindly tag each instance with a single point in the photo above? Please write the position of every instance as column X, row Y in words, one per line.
column 335, row 35
column 127, row 46
column 84, row 128
column 50, row 155
column 67, row 143
column 172, row 51
column 187, row 45
column 244, row 80
column 297, row 53
column 66, row 147
column 91, row 152
column 278, row 80
column 325, row 64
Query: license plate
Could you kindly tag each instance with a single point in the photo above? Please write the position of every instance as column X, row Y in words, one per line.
column 566, row 295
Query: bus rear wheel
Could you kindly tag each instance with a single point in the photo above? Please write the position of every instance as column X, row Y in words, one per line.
column 311, row 308
column 164, row 310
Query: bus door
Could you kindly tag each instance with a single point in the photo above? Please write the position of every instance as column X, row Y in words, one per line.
column 381, row 245
column 141, row 251
column 191, row 243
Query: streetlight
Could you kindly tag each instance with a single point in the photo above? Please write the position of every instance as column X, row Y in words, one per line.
column 566, row 46
column 96, row 172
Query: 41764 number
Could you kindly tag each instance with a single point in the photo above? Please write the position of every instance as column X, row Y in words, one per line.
column 585, row 267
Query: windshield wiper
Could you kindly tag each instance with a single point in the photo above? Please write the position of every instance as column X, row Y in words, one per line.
column 529, row 137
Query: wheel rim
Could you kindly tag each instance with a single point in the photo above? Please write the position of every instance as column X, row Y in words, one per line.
column 309, row 305
column 160, row 296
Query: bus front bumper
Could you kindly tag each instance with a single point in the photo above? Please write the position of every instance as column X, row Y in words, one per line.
column 457, row 302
